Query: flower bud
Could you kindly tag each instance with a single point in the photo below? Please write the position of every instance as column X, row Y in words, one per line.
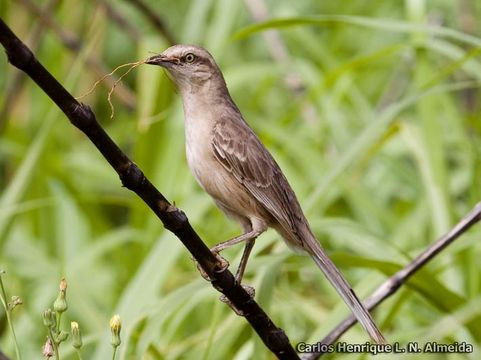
column 115, row 327
column 48, row 319
column 61, row 336
column 60, row 305
column 47, row 349
column 76, row 335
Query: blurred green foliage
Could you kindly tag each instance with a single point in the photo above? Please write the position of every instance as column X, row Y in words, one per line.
column 372, row 113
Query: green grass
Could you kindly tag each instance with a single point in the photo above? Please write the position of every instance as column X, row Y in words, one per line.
column 387, row 162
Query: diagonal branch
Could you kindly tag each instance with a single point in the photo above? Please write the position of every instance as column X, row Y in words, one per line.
column 391, row 285
column 131, row 176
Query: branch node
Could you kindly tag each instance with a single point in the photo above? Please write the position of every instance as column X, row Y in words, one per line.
column 172, row 208
column 81, row 115
column 175, row 219
column 395, row 282
column 131, row 176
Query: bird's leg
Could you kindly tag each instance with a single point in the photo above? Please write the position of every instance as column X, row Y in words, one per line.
column 251, row 235
column 240, row 270
column 252, row 229
column 243, row 262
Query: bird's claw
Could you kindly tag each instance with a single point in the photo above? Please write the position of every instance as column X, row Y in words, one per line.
column 223, row 264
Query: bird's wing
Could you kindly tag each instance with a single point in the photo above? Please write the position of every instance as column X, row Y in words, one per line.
column 241, row 153
column 239, row 150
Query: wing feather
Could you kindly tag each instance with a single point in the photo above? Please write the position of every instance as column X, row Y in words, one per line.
column 241, row 153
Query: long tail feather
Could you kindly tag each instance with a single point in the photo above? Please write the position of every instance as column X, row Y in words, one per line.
column 345, row 290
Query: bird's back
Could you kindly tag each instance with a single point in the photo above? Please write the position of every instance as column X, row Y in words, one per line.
column 241, row 153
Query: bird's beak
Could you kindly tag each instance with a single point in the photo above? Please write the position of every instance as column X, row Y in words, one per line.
column 161, row 60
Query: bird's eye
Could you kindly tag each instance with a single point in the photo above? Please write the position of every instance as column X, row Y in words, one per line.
column 189, row 58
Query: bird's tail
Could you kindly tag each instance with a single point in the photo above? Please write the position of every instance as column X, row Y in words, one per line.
column 344, row 289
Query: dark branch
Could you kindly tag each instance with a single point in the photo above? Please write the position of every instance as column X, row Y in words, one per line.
column 391, row 285
column 132, row 177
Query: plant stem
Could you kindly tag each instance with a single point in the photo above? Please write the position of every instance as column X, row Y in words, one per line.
column 3, row 296
column 79, row 354
column 113, row 354
column 58, row 317
column 54, row 344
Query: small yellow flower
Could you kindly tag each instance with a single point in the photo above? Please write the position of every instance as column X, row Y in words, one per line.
column 76, row 335
column 115, row 324
column 115, row 327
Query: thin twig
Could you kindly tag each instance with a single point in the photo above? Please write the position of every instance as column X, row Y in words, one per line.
column 155, row 19
column 73, row 43
column 175, row 220
column 391, row 285
column 112, row 89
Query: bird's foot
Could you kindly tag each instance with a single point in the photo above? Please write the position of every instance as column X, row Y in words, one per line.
column 249, row 289
column 224, row 264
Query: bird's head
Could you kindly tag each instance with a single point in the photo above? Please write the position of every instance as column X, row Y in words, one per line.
column 187, row 65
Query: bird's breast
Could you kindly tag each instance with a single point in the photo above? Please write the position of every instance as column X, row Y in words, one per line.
column 198, row 148
column 210, row 173
column 217, row 181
